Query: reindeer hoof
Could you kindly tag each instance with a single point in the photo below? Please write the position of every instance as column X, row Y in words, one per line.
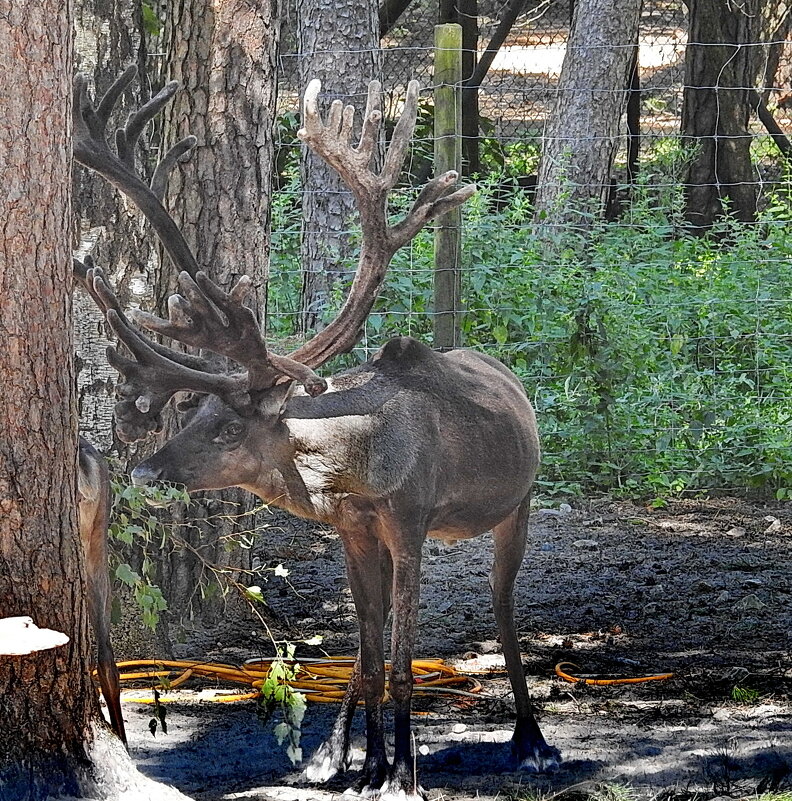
column 395, row 792
column 328, row 760
column 541, row 758
column 400, row 785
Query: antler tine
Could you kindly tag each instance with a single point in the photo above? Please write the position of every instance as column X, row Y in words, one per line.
column 152, row 378
column 92, row 151
column 206, row 316
column 436, row 199
column 162, row 171
column 402, row 135
column 371, row 122
column 127, row 137
column 380, row 240
column 111, row 96
column 94, row 283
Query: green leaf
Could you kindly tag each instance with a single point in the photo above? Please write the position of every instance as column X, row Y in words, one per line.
column 281, row 732
column 151, row 22
column 254, row 594
column 500, row 333
column 126, row 575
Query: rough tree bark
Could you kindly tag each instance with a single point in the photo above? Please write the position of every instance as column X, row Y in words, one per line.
column 339, row 44
column 581, row 136
column 47, row 701
column 223, row 55
column 108, row 38
column 723, row 62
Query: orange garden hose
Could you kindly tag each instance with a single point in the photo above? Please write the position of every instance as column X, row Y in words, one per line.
column 559, row 671
column 320, row 680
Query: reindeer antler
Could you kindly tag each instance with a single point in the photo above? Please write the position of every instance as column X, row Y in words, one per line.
column 92, row 150
column 332, row 141
column 205, row 316
column 156, row 373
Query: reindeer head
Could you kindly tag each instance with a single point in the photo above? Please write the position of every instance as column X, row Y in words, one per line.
column 234, row 430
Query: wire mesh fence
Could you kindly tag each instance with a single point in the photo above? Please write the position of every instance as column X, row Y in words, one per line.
column 658, row 361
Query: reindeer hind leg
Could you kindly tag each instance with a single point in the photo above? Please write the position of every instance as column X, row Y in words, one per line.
column 528, row 744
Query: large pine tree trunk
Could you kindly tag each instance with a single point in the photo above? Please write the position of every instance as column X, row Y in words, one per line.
column 223, row 55
column 339, row 44
column 47, row 701
column 720, row 74
column 582, row 135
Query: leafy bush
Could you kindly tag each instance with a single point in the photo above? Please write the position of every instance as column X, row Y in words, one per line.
column 658, row 363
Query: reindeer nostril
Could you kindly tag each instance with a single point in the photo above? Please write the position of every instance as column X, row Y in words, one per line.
column 145, row 474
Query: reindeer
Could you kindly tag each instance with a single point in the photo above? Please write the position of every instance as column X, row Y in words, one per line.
column 413, row 443
column 93, row 485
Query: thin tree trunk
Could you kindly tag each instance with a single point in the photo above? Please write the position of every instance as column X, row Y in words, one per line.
column 468, row 19
column 513, row 10
column 223, row 55
column 109, row 37
column 339, row 44
column 47, row 701
column 775, row 51
column 389, row 14
column 715, row 113
column 634, row 118
column 581, row 137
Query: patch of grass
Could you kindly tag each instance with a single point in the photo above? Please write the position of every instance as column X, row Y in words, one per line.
column 745, row 695
column 584, row 791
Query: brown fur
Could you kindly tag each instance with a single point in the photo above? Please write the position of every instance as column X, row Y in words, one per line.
column 410, row 444
column 93, row 515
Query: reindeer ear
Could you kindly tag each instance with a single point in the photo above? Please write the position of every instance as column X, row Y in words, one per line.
column 273, row 401
column 188, row 400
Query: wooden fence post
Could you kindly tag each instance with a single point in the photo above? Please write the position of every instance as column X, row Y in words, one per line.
column 448, row 156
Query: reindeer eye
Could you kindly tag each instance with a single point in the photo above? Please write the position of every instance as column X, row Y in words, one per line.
column 233, row 429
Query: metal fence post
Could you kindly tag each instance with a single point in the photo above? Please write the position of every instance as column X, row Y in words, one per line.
column 448, row 156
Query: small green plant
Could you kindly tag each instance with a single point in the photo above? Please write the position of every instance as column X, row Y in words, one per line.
column 159, row 716
column 745, row 695
column 613, row 792
column 134, row 521
column 277, row 696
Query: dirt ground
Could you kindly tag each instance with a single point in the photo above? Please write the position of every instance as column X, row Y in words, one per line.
column 700, row 588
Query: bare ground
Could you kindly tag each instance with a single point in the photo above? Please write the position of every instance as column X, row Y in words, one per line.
column 700, row 588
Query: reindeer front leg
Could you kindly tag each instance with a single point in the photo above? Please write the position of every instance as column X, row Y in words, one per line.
column 361, row 550
column 332, row 756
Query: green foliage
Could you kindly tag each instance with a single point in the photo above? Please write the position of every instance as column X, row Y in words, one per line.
column 745, row 695
column 658, row 363
column 152, row 24
column 278, row 696
column 133, row 521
